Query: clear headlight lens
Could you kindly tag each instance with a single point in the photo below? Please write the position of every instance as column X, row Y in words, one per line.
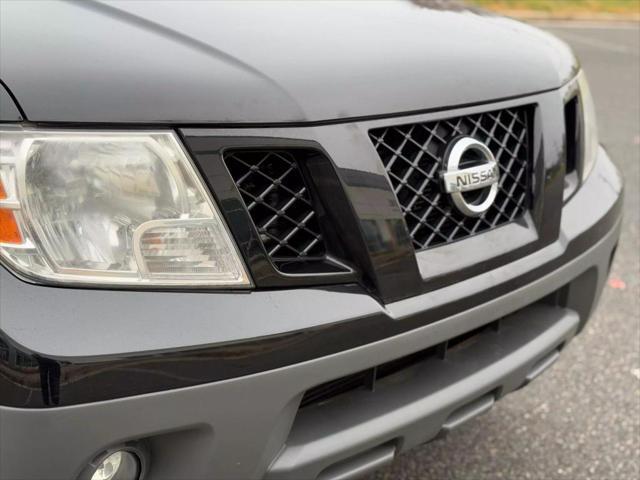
column 590, row 130
column 110, row 208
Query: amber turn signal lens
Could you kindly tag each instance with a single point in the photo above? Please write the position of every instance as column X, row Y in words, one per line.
column 9, row 231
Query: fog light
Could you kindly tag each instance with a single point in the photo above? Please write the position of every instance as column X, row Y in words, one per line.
column 120, row 465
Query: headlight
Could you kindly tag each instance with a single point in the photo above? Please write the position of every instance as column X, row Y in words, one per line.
column 590, row 130
column 110, row 208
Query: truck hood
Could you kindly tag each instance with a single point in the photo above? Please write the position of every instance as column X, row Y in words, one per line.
column 226, row 63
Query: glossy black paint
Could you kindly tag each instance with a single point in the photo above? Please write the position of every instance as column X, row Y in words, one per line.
column 387, row 269
column 208, row 154
column 9, row 111
column 359, row 203
column 540, row 227
column 390, row 268
column 321, row 94
column 388, row 245
column 217, row 63
column 28, row 380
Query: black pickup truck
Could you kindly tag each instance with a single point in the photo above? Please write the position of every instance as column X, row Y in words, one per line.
column 282, row 240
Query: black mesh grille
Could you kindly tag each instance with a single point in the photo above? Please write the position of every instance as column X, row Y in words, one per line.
column 275, row 194
column 413, row 156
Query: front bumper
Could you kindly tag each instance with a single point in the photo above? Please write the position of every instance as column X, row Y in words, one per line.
column 249, row 425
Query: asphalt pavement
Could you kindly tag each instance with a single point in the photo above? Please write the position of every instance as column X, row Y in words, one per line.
column 581, row 419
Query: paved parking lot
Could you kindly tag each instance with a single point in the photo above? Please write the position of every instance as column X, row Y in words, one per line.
column 581, row 420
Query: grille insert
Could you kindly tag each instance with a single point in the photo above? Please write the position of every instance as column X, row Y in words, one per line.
column 274, row 191
column 413, row 156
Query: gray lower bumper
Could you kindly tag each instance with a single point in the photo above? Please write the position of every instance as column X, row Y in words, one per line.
column 370, row 429
column 250, row 427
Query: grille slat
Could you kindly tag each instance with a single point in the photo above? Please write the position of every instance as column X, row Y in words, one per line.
column 277, row 198
column 413, row 156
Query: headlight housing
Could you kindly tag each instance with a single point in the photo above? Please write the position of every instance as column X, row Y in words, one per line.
column 590, row 130
column 110, row 208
